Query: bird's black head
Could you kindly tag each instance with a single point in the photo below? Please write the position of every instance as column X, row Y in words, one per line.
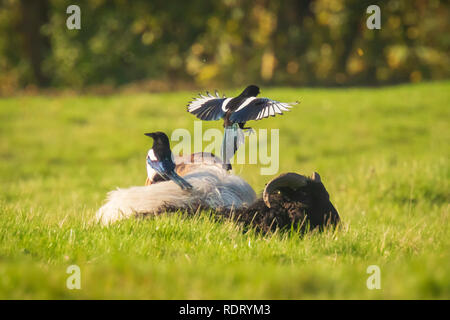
column 250, row 91
column 159, row 138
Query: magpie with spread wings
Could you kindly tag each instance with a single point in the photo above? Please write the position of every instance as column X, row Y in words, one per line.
column 235, row 112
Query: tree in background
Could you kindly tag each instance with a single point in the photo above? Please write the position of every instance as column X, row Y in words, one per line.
column 225, row 42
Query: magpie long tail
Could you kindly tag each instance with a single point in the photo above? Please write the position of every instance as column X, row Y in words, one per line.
column 233, row 137
column 179, row 181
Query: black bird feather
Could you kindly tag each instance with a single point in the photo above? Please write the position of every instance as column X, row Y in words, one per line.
column 160, row 158
column 237, row 110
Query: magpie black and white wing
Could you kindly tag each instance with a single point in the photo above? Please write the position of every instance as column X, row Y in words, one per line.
column 258, row 108
column 208, row 107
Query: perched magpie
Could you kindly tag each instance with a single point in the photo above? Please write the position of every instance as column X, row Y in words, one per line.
column 160, row 160
column 235, row 112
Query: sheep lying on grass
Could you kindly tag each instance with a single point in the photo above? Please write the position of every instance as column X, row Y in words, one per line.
column 213, row 188
column 289, row 200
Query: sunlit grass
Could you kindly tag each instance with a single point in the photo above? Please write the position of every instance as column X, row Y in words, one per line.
column 383, row 155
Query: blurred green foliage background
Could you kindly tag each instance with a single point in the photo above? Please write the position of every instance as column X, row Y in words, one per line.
column 165, row 45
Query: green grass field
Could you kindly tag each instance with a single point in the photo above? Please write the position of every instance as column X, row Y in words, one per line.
column 383, row 155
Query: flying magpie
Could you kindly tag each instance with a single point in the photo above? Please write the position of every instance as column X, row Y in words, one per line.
column 235, row 112
column 160, row 160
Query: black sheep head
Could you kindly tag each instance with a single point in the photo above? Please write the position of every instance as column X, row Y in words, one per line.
column 291, row 200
